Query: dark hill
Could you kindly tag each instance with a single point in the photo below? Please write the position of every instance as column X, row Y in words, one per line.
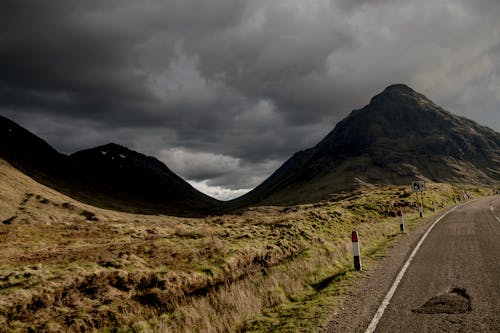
column 141, row 179
column 29, row 153
column 109, row 176
column 399, row 136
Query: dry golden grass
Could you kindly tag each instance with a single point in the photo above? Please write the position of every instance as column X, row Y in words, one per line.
column 69, row 266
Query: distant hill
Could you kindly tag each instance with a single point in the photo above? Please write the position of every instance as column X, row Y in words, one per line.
column 140, row 179
column 30, row 154
column 109, row 176
column 399, row 136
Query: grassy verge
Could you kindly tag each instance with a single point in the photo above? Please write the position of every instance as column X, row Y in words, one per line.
column 298, row 294
column 307, row 310
column 67, row 266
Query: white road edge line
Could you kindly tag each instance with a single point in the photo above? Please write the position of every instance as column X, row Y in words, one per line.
column 373, row 324
column 493, row 212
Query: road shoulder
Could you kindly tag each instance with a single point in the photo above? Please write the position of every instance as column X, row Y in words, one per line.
column 361, row 301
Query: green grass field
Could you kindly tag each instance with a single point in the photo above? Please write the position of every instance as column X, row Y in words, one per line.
column 69, row 266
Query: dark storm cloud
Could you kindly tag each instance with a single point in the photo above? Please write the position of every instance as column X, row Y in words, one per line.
column 226, row 90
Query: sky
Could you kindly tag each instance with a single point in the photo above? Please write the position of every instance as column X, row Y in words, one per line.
column 225, row 91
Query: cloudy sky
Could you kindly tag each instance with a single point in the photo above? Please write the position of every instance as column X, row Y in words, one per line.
column 224, row 91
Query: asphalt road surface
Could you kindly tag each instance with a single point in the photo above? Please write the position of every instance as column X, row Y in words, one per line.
column 453, row 282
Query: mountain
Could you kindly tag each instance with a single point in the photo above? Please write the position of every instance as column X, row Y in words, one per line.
column 29, row 153
column 140, row 179
column 398, row 137
column 109, row 176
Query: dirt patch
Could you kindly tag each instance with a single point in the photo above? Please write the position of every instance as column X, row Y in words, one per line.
column 156, row 298
column 89, row 216
column 9, row 220
column 68, row 205
column 455, row 301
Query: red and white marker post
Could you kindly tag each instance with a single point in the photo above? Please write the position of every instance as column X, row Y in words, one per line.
column 401, row 221
column 355, row 251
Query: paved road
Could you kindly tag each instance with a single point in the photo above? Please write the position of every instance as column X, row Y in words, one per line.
column 453, row 282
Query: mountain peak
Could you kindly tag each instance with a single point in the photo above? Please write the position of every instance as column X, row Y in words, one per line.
column 400, row 87
column 401, row 135
column 399, row 91
column 112, row 147
column 109, row 150
column 400, row 96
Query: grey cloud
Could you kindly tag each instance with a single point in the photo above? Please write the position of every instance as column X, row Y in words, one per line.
column 246, row 177
column 282, row 58
column 350, row 6
column 199, row 166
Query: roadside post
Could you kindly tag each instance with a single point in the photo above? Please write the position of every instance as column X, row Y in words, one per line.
column 433, row 206
column 401, row 221
column 419, row 186
column 355, row 251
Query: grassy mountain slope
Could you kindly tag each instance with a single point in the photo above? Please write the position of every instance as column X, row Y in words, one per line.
column 68, row 266
column 399, row 136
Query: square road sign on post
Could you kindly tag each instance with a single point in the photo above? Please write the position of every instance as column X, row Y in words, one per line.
column 418, row 186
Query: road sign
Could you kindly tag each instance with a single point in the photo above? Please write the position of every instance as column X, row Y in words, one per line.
column 418, row 186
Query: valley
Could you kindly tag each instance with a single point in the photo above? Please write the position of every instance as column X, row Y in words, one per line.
column 230, row 166
column 65, row 265
column 109, row 239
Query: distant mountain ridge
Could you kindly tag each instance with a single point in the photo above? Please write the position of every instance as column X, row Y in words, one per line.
column 399, row 136
column 109, row 176
column 128, row 171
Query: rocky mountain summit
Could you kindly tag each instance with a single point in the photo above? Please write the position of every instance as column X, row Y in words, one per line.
column 399, row 136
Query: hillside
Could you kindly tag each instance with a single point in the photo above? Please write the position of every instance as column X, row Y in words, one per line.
column 142, row 180
column 109, row 176
column 399, row 136
column 68, row 266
